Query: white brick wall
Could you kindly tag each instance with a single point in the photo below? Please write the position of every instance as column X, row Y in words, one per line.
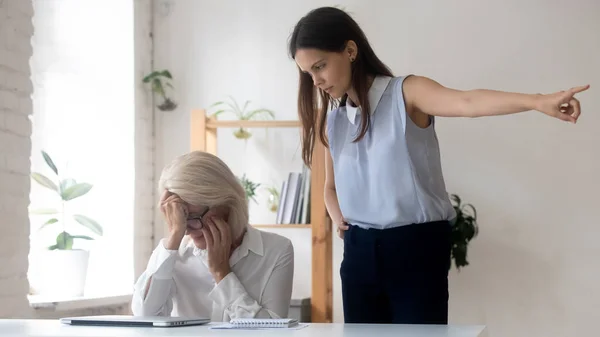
column 16, row 30
column 144, row 140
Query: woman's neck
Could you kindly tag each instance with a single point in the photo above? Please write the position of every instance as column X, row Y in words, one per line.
column 353, row 95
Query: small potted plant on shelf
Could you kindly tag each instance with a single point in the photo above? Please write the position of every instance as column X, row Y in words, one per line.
column 464, row 229
column 250, row 188
column 273, row 201
column 242, row 113
column 64, row 268
column 159, row 80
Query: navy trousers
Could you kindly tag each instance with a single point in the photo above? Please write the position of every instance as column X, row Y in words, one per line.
column 397, row 275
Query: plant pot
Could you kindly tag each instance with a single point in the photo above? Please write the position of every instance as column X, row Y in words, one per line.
column 242, row 133
column 60, row 273
column 167, row 105
column 273, row 202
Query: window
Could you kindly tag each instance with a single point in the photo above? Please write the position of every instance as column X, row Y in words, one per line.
column 83, row 78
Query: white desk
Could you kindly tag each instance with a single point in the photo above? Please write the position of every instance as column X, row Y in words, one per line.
column 53, row 328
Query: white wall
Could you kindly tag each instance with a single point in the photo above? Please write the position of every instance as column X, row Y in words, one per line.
column 15, row 145
column 533, row 179
column 16, row 30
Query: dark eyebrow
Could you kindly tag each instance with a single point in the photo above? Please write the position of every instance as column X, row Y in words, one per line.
column 315, row 64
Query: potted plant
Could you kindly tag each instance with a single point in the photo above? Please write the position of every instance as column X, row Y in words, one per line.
column 273, row 201
column 464, row 229
column 250, row 188
column 64, row 268
column 241, row 113
column 158, row 81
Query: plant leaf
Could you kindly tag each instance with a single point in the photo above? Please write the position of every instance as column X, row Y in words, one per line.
column 157, row 87
column 44, row 181
column 166, row 74
column 216, row 104
column 456, row 199
column 53, row 247
column 257, row 112
column 75, row 191
column 89, row 224
column 84, row 237
column 49, row 162
column 64, row 241
column 39, row 211
column 245, row 106
column 66, row 183
column 472, row 209
column 235, row 106
column 234, row 110
column 217, row 113
column 150, row 76
column 49, row 222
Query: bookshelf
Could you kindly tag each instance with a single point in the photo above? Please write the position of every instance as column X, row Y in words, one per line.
column 203, row 137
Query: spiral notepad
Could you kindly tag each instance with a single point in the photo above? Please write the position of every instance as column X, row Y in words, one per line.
column 259, row 323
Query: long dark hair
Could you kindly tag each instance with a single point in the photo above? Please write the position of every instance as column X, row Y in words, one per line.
column 329, row 29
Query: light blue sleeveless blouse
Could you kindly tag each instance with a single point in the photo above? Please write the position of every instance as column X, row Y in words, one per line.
column 393, row 176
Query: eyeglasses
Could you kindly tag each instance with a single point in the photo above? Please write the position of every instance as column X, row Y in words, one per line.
column 195, row 222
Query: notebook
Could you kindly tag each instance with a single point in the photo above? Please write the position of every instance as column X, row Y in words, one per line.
column 258, row 323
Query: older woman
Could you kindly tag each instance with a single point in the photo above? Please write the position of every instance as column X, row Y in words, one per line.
column 212, row 263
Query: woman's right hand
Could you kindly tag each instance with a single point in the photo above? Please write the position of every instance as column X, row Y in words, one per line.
column 342, row 227
column 174, row 212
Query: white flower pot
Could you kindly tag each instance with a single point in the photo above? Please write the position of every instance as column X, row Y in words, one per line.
column 60, row 273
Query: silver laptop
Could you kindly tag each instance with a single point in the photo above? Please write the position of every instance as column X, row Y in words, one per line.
column 134, row 321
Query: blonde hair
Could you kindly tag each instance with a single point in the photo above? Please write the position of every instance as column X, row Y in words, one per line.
column 202, row 179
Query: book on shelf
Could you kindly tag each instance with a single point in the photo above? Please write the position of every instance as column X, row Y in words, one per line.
column 294, row 201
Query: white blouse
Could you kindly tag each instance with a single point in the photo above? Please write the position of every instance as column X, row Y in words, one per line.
column 259, row 284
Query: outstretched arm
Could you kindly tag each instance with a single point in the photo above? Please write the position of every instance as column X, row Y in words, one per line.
column 426, row 96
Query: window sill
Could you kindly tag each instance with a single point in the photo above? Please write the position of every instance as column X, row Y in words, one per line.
column 38, row 302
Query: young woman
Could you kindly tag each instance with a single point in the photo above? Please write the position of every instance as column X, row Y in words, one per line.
column 384, row 187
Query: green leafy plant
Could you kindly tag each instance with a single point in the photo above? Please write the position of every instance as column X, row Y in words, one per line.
column 66, row 189
column 158, row 81
column 241, row 113
column 250, row 187
column 464, row 229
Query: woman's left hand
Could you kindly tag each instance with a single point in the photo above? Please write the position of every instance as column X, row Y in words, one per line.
column 218, row 243
column 563, row 104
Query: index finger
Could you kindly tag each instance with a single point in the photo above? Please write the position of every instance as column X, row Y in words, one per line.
column 165, row 195
column 214, row 229
column 223, row 227
column 208, row 236
column 576, row 90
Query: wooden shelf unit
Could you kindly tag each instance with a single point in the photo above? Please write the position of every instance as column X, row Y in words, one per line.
column 203, row 137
